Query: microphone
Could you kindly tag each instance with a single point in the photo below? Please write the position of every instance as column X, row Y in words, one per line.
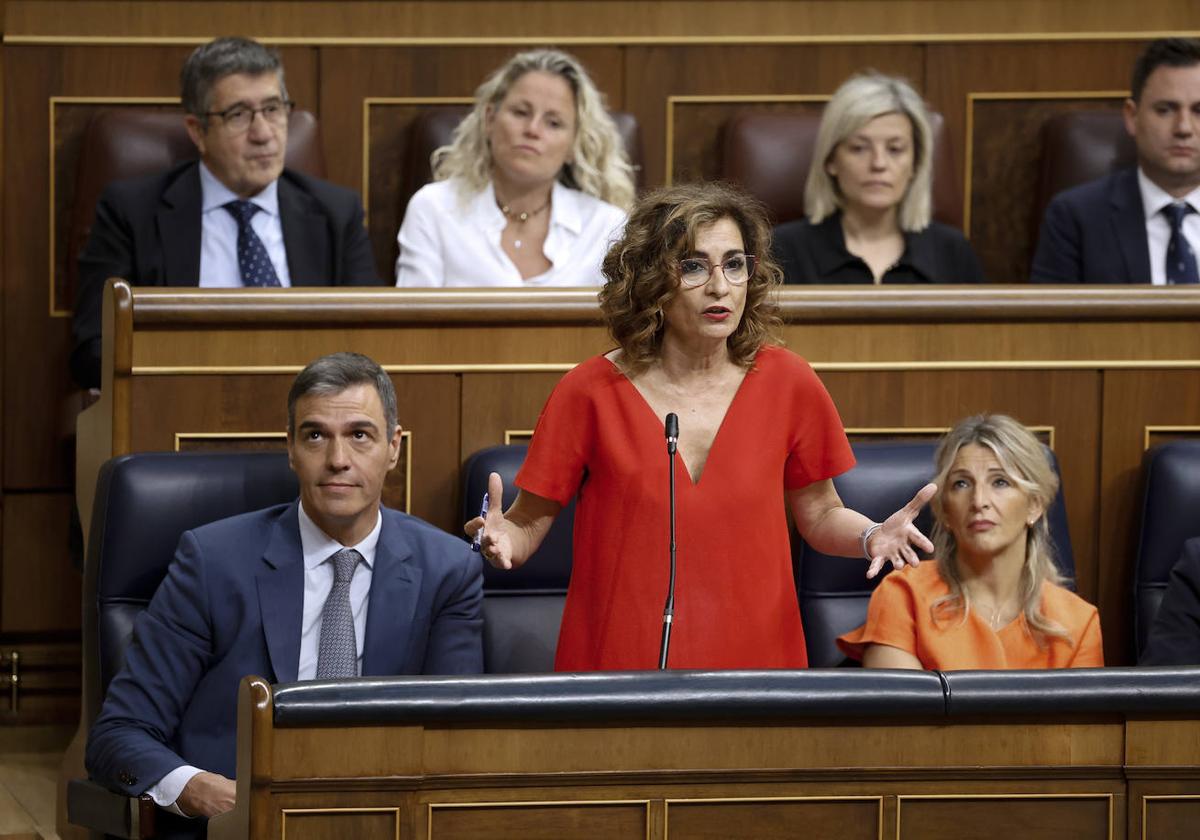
column 672, row 430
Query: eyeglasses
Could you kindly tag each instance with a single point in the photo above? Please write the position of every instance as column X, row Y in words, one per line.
column 696, row 271
column 238, row 118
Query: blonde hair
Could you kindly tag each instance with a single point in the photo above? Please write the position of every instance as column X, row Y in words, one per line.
column 641, row 270
column 598, row 164
column 1021, row 456
column 860, row 99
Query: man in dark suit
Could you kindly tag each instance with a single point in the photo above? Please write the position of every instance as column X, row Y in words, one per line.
column 234, row 218
column 1138, row 225
column 327, row 587
column 1175, row 633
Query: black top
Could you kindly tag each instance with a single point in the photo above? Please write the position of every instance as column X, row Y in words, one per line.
column 815, row 254
column 1175, row 633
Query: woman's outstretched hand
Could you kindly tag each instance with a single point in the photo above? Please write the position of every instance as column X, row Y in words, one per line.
column 495, row 540
column 896, row 537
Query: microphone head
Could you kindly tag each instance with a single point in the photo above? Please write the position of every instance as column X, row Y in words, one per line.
column 672, row 426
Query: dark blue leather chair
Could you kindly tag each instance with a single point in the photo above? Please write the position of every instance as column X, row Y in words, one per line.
column 1170, row 502
column 522, row 608
column 834, row 591
column 144, row 502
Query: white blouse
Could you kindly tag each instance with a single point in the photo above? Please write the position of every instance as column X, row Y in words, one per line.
column 451, row 239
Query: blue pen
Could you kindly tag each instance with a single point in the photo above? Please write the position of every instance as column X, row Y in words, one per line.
column 483, row 510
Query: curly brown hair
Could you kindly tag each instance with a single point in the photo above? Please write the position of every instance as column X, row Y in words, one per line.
column 641, row 271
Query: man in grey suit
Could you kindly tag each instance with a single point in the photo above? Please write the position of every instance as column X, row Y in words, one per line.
column 234, row 218
column 330, row 586
column 1138, row 225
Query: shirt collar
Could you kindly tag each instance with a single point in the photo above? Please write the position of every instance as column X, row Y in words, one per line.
column 215, row 195
column 1155, row 198
column 319, row 546
column 830, row 253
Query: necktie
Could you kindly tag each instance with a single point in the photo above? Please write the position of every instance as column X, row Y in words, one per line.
column 1181, row 260
column 253, row 261
column 337, row 653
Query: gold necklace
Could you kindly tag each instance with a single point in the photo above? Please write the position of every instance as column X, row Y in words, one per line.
column 520, row 218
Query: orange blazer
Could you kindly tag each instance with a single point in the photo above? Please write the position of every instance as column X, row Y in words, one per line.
column 899, row 615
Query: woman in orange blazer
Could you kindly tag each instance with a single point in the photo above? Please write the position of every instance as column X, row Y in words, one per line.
column 993, row 597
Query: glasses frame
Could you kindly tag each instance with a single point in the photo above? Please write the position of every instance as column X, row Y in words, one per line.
column 751, row 265
column 288, row 106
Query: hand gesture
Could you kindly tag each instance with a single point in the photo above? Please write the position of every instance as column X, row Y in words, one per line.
column 491, row 530
column 893, row 541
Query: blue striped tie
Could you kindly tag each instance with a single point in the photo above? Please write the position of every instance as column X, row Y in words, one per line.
column 253, row 260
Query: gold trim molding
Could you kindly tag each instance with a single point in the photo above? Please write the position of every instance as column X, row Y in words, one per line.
column 882, row 431
column 1148, row 431
column 285, row 812
column 900, row 799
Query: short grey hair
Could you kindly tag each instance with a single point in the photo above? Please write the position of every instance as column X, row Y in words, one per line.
column 860, row 99
column 211, row 62
column 335, row 373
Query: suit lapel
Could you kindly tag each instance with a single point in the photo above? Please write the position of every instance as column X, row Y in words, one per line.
column 178, row 220
column 1129, row 226
column 305, row 236
column 281, row 595
column 395, row 587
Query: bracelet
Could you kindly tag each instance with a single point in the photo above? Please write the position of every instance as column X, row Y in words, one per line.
column 867, row 533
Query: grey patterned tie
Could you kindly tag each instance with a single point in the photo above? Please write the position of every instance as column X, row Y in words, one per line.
column 337, row 655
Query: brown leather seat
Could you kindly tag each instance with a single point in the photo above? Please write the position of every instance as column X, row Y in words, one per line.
column 433, row 128
column 1077, row 147
column 128, row 142
column 769, row 156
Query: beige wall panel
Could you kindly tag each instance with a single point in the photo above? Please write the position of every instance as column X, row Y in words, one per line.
column 494, row 403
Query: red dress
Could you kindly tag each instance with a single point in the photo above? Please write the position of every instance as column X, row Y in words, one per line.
column 735, row 599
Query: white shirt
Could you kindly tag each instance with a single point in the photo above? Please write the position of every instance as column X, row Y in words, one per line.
column 451, row 239
column 318, row 548
column 218, row 233
column 1158, row 229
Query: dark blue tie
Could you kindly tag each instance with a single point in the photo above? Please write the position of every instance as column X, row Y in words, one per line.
column 253, row 261
column 1181, row 259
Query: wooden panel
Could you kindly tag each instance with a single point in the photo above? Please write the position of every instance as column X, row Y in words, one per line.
column 656, row 73
column 562, row 20
column 1133, row 400
column 539, row 821
column 1006, row 150
column 956, row 71
column 40, row 587
column 1171, row 817
column 250, row 412
column 813, row 819
column 1030, row 817
column 513, row 401
column 340, row 823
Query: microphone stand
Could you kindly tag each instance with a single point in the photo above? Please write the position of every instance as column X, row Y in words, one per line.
column 672, row 431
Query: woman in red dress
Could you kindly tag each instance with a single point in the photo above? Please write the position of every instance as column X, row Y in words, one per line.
column 688, row 301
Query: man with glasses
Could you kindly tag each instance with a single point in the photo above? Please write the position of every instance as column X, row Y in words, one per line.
column 237, row 217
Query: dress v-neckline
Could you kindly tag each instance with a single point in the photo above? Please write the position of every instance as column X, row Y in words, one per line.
column 659, row 422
